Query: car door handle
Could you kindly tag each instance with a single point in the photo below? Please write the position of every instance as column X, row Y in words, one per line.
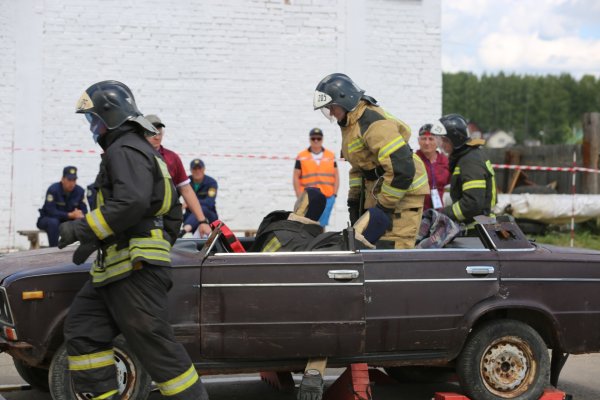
column 480, row 270
column 342, row 274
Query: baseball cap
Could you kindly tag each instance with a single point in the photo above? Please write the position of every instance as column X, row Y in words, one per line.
column 315, row 132
column 70, row 172
column 196, row 163
column 154, row 120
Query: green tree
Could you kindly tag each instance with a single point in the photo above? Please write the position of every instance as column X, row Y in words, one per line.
column 525, row 105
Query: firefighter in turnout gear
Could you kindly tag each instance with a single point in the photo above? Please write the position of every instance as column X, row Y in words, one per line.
column 135, row 222
column 472, row 184
column 292, row 231
column 385, row 172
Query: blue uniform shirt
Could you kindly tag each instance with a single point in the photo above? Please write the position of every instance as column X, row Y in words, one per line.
column 206, row 191
column 58, row 203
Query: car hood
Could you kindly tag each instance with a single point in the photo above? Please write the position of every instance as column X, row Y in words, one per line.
column 30, row 260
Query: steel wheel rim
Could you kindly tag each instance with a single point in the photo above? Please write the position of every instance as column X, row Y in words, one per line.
column 508, row 367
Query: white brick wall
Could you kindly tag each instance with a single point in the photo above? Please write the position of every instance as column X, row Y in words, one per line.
column 231, row 78
column 7, row 118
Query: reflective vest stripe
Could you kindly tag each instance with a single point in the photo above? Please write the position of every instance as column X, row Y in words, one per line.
column 474, row 184
column 387, row 115
column 168, row 198
column 456, row 171
column 106, row 395
column 114, row 257
column 417, row 183
column 272, row 245
column 391, row 147
column 96, row 221
column 100, row 275
column 356, row 145
column 490, row 168
column 355, row 182
column 457, row 212
column 179, row 383
column 320, row 175
column 119, row 262
column 91, row 361
column 317, row 175
column 392, row 191
column 316, row 183
column 154, row 248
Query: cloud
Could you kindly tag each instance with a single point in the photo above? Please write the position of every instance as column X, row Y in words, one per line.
column 522, row 36
column 530, row 52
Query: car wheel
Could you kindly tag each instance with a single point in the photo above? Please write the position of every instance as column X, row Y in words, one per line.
column 36, row 377
column 504, row 359
column 134, row 382
column 420, row 374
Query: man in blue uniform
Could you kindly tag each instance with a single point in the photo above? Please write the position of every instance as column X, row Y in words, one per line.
column 64, row 202
column 205, row 188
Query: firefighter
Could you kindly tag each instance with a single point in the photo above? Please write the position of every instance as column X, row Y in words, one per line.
column 292, row 231
column 472, row 185
column 385, row 172
column 136, row 221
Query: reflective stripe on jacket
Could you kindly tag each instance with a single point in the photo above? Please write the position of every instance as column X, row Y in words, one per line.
column 136, row 198
column 320, row 175
column 472, row 185
column 373, row 139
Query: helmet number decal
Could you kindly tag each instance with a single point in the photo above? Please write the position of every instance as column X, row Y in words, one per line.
column 84, row 102
column 321, row 99
column 438, row 129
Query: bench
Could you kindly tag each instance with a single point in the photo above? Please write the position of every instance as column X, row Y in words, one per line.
column 246, row 232
column 33, row 236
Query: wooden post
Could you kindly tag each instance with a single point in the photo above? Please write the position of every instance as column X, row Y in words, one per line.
column 590, row 151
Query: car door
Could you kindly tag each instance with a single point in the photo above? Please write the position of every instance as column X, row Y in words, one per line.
column 282, row 305
column 417, row 299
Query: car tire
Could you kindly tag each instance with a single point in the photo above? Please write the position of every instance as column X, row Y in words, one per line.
column 420, row 374
column 504, row 359
column 36, row 377
column 134, row 382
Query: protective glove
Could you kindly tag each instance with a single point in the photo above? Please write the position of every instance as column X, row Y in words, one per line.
column 84, row 251
column 67, row 234
column 72, row 231
column 353, row 210
column 311, row 387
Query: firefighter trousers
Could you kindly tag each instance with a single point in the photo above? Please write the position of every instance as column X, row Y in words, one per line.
column 136, row 307
column 405, row 221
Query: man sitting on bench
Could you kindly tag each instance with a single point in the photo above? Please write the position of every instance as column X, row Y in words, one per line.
column 64, row 202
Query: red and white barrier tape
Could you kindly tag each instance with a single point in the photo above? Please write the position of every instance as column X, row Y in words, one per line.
column 539, row 168
column 273, row 157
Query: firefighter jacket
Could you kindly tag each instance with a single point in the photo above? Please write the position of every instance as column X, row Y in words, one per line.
column 317, row 174
column 376, row 145
column 472, row 185
column 138, row 213
column 285, row 231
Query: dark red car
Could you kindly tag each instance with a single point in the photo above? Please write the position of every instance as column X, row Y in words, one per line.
column 488, row 307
